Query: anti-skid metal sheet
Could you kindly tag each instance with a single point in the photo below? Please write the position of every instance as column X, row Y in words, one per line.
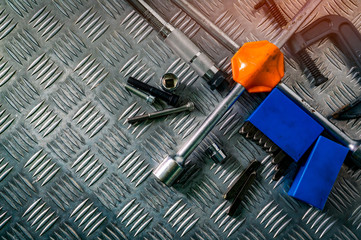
column 72, row 168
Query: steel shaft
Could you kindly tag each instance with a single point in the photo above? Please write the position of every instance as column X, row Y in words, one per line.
column 211, row 120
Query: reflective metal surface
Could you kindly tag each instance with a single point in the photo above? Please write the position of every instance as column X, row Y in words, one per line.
column 71, row 167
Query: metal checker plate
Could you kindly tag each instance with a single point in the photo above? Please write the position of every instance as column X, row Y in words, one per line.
column 72, row 168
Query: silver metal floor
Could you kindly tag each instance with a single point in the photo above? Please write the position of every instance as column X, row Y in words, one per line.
column 72, row 168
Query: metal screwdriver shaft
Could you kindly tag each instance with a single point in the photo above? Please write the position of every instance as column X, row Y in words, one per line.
column 187, row 107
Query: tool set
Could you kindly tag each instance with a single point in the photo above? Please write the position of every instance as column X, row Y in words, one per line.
column 166, row 119
column 290, row 124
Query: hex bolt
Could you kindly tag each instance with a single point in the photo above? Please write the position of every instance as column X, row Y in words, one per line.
column 187, row 107
column 302, row 55
column 169, row 98
column 147, row 97
column 169, row 82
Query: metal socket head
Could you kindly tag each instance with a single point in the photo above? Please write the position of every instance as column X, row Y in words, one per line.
column 169, row 82
column 168, row 171
column 215, row 153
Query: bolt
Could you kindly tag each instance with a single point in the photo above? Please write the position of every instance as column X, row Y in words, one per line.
column 149, row 98
column 187, row 107
column 311, row 66
column 274, row 10
column 169, row 98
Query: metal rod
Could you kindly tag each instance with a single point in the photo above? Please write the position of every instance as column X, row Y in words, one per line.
column 187, row 107
column 208, row 124
column 227, row 42
column 152, row 17
column 205, row 23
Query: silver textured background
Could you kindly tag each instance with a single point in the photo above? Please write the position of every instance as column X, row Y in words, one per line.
column 71, row 168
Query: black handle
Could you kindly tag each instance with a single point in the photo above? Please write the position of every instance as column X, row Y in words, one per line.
column 169, row 98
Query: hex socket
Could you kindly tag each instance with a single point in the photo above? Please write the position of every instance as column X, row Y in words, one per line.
column 169, row 98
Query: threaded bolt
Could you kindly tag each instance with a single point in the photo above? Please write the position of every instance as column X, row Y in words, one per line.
column 311, row 66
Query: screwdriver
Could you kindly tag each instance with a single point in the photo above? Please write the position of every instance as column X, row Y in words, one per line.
column 261, row 75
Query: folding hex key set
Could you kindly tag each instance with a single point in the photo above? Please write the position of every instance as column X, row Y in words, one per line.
column 258, row 67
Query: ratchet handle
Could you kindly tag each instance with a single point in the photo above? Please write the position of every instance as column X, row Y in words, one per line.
column 339, row 29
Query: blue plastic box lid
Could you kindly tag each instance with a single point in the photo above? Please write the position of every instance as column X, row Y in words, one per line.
column 286, row 124
column 315, row 178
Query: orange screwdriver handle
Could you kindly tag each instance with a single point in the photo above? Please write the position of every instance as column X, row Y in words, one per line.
column 258, row 66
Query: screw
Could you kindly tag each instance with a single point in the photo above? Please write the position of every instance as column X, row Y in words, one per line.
column 275, row 11
column 188, row 107
column 311, row 66
column 169, row 98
